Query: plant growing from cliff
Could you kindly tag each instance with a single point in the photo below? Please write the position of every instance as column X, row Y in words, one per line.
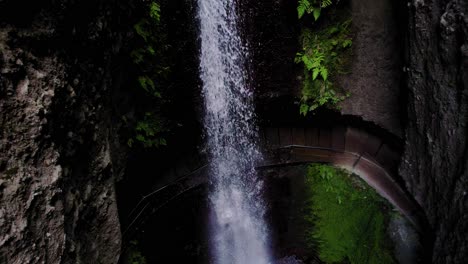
column 322, row 58
column 148, row 132
column 346, row 218
column 312, row 7
column 151, row 69
column 149, row 56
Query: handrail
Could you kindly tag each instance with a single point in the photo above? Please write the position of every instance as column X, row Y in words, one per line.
column 358, row 156
column 149, row 195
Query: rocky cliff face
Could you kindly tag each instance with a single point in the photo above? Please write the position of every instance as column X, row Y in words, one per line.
column 435, row 162
column 374, row 77
column 59, row 153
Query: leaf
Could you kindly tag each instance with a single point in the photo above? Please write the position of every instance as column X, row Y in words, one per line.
column 303, row 6
column 300, row 11
column 325, row 3
column 347, row 43
column 298, row 58
column 324, row 73
column 307, row 62
column 157, row 94
column 313, row 107
column 137, row 56
column 155, row 11
column 333, row 30
column 316, row 13
column 146, row 83
column 315, row 73
column 140, row 138
column 140, row 29
column 151, row 50
column 304, row 109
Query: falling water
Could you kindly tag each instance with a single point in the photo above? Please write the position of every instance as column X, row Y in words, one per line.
column 238, row 232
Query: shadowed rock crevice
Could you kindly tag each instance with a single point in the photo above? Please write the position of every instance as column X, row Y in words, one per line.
column 435, row 159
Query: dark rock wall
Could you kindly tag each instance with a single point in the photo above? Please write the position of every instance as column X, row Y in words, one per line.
column 59, row 151
column 374, row 78
column 435, row 162
column 271, row 30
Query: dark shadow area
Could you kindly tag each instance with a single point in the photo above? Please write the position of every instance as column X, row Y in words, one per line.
column 174, row 233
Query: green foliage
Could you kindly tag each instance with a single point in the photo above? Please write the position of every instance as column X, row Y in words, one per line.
column 312, row 7
column 322, row 58
column 149, row 132
column 148, row 85
column 134, row 256
column 152, row 69
column 346, row 218
column 149, row 55
column 155, row 12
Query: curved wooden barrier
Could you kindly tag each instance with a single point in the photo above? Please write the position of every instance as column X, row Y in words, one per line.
column 364, row 154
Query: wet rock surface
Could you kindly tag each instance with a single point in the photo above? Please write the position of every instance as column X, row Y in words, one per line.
column 435, row 161
column 59, row 153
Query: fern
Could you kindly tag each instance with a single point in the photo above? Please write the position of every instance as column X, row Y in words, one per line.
column 325, row 3
column 303, row 7
column 155, row 12
column 313, row 7
column 321, row 59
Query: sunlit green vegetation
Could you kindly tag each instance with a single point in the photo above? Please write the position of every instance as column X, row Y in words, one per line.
column 347, row 218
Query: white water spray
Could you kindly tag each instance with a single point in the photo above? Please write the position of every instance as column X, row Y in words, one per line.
column 238, row 232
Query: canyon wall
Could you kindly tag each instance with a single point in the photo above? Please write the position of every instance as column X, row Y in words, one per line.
column 59, row 153
column 435, row 161
column 61, row 76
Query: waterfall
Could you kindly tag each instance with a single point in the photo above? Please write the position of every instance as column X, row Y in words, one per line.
column 238, row 230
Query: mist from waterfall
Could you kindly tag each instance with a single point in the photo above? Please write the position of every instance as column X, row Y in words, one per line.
column 238, row 231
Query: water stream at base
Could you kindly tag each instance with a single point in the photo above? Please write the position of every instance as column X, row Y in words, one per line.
column 238, row 232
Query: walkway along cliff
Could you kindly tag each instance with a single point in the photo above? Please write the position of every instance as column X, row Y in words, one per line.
column 71, row 100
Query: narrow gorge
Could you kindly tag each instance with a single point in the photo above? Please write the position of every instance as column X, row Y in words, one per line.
column 233, row 131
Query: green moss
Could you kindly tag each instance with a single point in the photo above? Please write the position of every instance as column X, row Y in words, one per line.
column 346, row 217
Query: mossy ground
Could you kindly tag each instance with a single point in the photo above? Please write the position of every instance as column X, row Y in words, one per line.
column 347, row 218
